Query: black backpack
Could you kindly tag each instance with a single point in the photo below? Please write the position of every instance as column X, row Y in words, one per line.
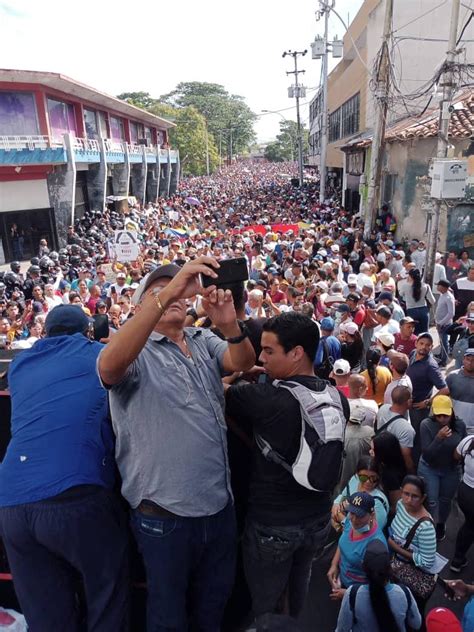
column 323, row 371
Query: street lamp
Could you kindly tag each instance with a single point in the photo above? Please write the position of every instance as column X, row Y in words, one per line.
column 286, row 121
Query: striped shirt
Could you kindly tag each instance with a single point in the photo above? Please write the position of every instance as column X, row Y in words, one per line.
column 423, row 544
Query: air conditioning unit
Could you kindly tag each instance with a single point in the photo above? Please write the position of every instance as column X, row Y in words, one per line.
column 448, row 179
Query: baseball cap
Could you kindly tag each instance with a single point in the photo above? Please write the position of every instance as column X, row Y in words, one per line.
column 384, row 311
column 442, row 620
column 350, row 327
column 425, row 334
column 341, row 367
column 120, row 275
column 407, row 319
column 64, row 320
column 469, row 352
column 360, row 504
column 352, row 279
column 470, row 316
column 387, row 339
column 328, row 324
column 377, row 557
column 385, row 296
column 167, row 271
column 442, row 405
column 368, row 283
column 335, row 248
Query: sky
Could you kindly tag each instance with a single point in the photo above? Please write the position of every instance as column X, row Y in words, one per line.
column 146, row 45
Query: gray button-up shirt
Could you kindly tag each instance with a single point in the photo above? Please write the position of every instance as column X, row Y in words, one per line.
column 167, row 415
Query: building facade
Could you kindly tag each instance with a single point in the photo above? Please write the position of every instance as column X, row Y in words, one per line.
column 65, row 148
column 417, row 47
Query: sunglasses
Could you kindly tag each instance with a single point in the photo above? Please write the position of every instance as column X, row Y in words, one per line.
column 363, row 478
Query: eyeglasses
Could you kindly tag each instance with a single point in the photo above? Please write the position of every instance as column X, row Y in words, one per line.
column 363, row 478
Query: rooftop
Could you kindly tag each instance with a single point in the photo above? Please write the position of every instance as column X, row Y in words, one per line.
column 74, row 88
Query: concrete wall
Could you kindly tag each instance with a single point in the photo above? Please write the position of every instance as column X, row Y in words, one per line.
column 408, row 161
column 23, row 195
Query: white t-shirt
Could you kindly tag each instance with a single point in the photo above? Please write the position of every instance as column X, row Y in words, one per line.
column 363, row 411
column 403, row 381
column 463, row 450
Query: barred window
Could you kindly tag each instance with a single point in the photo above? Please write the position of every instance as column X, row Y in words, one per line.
column 335, row 125
column 350, row 114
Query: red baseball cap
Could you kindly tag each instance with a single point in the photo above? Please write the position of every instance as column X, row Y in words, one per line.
column 442, row 620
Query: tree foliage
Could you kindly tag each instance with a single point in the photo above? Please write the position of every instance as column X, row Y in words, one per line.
column 285, row 146
column 229, row 118
column 194, row 106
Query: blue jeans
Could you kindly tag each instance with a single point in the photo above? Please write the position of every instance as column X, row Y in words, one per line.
column 278, row 559
column 190, row 567
column 49, row 543
column 441, row 486
column 422, row 316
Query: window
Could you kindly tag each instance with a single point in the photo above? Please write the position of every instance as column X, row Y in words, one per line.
column 116, row 128
column 350, row 111
column 90, row 123
column 134, row 132
column 102, row 124
column 335, row 125
column 61, row 118
column 148, row 136
column 18, row 114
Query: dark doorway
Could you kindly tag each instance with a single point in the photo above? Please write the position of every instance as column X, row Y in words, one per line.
column 22, row 242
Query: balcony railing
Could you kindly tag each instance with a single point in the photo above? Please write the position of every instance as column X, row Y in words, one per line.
column 86, row 144
column 10, row 143
column 114, row 146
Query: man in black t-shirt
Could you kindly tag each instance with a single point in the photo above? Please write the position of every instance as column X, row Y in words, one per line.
column 287, row 524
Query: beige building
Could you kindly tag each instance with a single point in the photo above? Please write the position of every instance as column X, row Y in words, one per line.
column 417, row 48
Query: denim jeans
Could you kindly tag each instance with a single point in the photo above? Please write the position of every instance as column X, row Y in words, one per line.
column 422, row 316
column 50, row 543
column 465, row 536
column 441, row 486
column 190, row 567
column 280, row 558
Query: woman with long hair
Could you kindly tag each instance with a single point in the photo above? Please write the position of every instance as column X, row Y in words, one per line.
column 377, row 377
column 366, row 479
column 418, row 298
column 410, row 511
column 440, row 434
column 378, row 605
column 389, row 462
column 465, row 452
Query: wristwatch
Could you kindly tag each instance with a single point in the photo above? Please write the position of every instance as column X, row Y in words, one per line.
column 244, row 334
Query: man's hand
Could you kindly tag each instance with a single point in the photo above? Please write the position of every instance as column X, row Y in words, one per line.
column 219, row 306
column 424, row 404
column 461, row 589
column 187, row 283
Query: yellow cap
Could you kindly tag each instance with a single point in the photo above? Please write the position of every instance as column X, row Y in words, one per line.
column 442, row 405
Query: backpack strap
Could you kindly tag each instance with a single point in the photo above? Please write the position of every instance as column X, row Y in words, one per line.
column 412, row 532
column 352, row 601
column 270, row 454
column 329, row 357
column 408, row 598
column 389, row 422
column 384, row 504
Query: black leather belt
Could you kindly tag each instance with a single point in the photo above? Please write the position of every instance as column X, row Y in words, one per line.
column 149, row 508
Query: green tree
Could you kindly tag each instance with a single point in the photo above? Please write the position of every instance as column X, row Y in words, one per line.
column 140, row 99
column 229, row 118
column 189, row 136
column 285, row 146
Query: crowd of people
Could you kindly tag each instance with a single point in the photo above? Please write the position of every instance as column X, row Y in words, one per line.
column 305, row 406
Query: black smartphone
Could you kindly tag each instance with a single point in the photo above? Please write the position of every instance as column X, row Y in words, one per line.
column 449, row 592
column 231, row 271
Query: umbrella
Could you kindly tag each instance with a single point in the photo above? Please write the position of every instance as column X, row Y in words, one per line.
column 192, row 200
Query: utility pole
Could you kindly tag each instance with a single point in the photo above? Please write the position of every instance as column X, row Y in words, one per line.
column 382, row 81
column 297, row 91
column 324, row 114
column 434, row 218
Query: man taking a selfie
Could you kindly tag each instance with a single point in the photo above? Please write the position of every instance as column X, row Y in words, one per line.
column 166, row 399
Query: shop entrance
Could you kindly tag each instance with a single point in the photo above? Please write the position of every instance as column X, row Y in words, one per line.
column 21, row 231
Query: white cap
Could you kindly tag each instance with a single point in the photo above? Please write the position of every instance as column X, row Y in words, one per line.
column 349, row 327
column 387, row 339
column 341, row 367
column 352, row 279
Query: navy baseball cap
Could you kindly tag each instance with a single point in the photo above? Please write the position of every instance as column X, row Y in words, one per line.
column 361, row 504
column 65, row 320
